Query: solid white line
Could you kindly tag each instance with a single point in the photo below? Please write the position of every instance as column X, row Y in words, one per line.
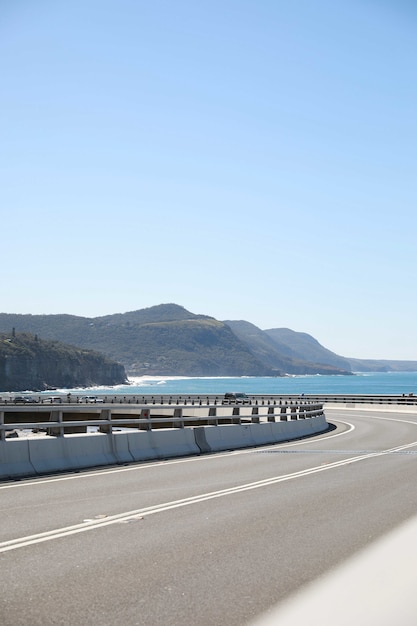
column 21, row 542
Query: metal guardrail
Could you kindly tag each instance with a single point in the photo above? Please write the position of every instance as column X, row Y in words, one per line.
column 208, row 399
column 61, row 420
column 144, row 411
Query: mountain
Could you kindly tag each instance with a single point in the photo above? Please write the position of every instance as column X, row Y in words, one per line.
column 161, row 340
column 168, row 340
column 27, row 362
column 280, row 356
column 373, row 365
column 303, row 346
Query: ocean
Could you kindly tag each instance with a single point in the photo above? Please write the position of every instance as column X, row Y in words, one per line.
column 392, row 383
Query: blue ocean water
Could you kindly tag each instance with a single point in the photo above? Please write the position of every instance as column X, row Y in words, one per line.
column 391, row 383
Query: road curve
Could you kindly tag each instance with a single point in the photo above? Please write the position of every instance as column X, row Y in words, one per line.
column 217, row 539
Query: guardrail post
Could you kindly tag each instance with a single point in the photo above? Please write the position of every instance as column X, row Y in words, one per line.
column 236, row 412
column 178, row 416
column 283, row 413
column 271, row 414
column 56, row 416
column 213, row 413
column 145, row 414
column 105, row 415
column 255, row 415
column 2, row 431
column 293, row 412
column 301, row 412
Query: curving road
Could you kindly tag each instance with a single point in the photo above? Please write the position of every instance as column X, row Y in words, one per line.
column 216, row 539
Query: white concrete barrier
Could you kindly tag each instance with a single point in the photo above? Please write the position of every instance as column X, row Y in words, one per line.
column 161, row 443
column 269, row 432
column 175, row 442
column 70, row 452
column 229, row 436
column 121, row 448
column 302, row 428
column 141, row 445
column 314, row 425
column 90, row 450
column 15, row 459
column 393, row 408
column 28, row 457
column 49, row 454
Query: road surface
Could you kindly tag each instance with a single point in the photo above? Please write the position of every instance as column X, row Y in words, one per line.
column 210, row 540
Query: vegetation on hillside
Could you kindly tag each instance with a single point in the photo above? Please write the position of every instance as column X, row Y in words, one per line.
column 169, row 340
column 28, row 362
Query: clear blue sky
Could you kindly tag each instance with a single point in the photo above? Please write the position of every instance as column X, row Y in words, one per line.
column 246, row 159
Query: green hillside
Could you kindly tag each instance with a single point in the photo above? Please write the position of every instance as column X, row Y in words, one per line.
column 168, row 340
column 303, row 346
column 281, row 357
column 162, row 340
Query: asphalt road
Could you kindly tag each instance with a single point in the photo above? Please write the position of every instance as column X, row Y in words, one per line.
column 216, row 539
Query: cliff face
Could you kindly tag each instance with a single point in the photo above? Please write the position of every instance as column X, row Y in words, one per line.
column 27, row 362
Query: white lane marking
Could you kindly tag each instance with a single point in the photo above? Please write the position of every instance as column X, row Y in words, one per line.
column 391, row 419
column 91, row 524
column 144, row 465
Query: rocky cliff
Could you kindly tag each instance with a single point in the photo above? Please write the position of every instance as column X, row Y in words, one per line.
column 27, row 362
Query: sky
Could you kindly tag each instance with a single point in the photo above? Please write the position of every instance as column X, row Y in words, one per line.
column 246, row 159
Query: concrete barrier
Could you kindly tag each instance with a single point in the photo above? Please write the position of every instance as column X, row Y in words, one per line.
column 28, row 457
column 314, row 425
column 200, row 439
column 171, row 443
column 141, row 445
column 294, row 429
column 161, row 444
column 229, row 437
column 15, row 459
column 393, row 408
column 121, row 448
column 269, row 432
column 70, row 452
column 49, row 454
column 90, row 450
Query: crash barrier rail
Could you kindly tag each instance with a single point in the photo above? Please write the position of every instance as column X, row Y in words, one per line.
column 69, row 419
column 206, row 400
column 143, row 435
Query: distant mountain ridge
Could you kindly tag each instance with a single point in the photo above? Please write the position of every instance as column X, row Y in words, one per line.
column 279, row 355
column 304, row 346
column 162, row 340
column 168, row 340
